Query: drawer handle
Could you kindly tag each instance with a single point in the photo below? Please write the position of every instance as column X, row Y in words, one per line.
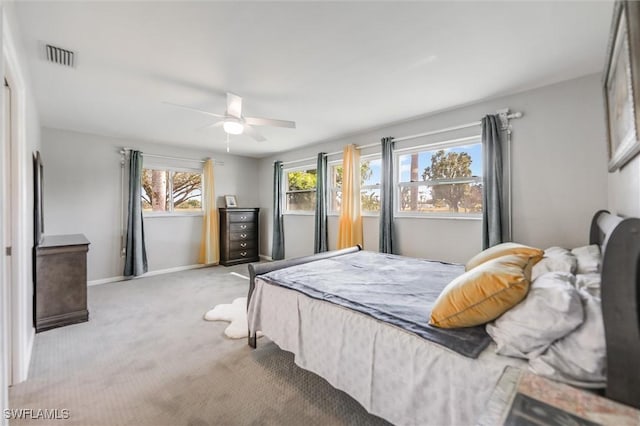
column 243, row 253
column 243, row 235
column 243, row 217
column 243, row 226
column 243, row 245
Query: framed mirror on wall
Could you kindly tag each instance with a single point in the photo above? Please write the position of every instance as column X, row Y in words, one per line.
column 38, row 199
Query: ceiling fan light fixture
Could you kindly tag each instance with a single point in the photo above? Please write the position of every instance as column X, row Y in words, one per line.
column 233, row 127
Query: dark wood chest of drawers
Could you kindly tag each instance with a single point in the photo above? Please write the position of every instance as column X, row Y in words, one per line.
column 60, row 281
column 238, row 235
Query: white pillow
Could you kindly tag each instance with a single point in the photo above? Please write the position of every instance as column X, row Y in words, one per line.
column 579, row 358
column 551, row 310
column 589, row 283
column 588, row 259
column 556, row 259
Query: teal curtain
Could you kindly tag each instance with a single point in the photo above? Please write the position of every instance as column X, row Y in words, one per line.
column 387, row 232
column 277, row 247
column 321, row 231
column 492, row 182
column 135, row 262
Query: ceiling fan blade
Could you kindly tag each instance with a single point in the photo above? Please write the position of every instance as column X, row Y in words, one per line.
column 257, row 121
column 218, row 123
column 234, row 105
column 250, row 131
column 195, row 109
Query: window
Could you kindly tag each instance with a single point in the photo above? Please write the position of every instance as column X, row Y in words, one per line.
column 300, row 190
column 370, row 168
column 166, row 191
column 441, row 181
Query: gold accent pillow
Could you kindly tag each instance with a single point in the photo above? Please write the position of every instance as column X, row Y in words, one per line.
column 503, row 250
column 483, row 293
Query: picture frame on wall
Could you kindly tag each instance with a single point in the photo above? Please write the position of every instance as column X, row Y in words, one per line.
column 230, row 201
column 38, row 199
column 621, row 85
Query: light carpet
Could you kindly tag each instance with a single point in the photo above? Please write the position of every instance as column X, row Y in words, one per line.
column 146, row 357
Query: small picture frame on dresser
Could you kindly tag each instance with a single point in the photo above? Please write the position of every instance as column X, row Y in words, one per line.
column 230, row 201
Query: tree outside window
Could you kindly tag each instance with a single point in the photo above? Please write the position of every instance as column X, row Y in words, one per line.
column 369, row 185
column 444, row 181
column 301, row 190
column 171, row 191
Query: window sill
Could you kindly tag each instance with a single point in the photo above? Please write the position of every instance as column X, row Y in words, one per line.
column 300, row 213
column 336, row 214
column 174, row 214
column 398, row 215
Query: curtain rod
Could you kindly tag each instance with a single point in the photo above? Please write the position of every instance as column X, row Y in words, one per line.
column 405, row 138
column 216, row 162
column 327, row 154
column 442, row 144
column 450, row 129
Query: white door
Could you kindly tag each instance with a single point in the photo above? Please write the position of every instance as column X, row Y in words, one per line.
column 6, row 228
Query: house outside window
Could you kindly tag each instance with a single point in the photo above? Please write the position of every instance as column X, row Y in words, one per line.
column 370, row 171
column 300, row 189
column 443, row 180
column 168, row 191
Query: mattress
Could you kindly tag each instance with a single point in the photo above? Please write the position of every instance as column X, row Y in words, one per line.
column 395, row 289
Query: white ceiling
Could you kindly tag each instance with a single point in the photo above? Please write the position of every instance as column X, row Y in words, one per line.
column 334, row 67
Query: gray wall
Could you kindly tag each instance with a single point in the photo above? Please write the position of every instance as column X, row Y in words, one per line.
column 624, row 189
column 559, row 175
column 83, row 191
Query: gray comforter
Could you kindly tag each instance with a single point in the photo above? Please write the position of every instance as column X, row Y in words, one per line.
column 395, row 289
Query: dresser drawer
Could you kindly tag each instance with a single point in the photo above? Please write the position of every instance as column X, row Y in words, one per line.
column 242, row 227
column 242, row 245
column 242, row 254
column 242, row 236
column 242, row 216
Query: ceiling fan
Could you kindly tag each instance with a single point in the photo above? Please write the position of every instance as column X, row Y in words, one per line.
column 234, row 123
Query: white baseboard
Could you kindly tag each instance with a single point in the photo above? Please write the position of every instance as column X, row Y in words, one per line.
column 148, row 274
column 27, row 358
column 105, row 280
column 265, row 257
column 235, row 274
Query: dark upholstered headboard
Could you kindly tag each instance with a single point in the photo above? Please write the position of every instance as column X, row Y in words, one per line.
column 620, row 289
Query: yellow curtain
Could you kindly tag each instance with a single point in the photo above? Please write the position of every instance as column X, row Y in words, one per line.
column 210, row 245
column 350, row 230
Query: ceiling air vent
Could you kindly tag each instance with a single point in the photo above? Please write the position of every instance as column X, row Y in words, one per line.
column 60, row 56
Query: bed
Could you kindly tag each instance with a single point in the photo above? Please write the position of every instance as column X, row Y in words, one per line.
column 399, row 375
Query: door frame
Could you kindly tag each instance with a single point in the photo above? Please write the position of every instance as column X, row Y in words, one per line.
column 6, row 279
column 21, row 301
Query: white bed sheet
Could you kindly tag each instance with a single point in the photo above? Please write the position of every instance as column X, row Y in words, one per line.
column 392, row 373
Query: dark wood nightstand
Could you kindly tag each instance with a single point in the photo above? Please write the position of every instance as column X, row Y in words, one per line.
column 239, row 235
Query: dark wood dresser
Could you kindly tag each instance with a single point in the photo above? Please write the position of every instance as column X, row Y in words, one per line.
column 238, row 235
column 60, row 281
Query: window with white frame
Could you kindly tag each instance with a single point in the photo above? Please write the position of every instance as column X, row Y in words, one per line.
column 300, row 189
column 370, row 169
column 444, row 180
column 171, row 191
